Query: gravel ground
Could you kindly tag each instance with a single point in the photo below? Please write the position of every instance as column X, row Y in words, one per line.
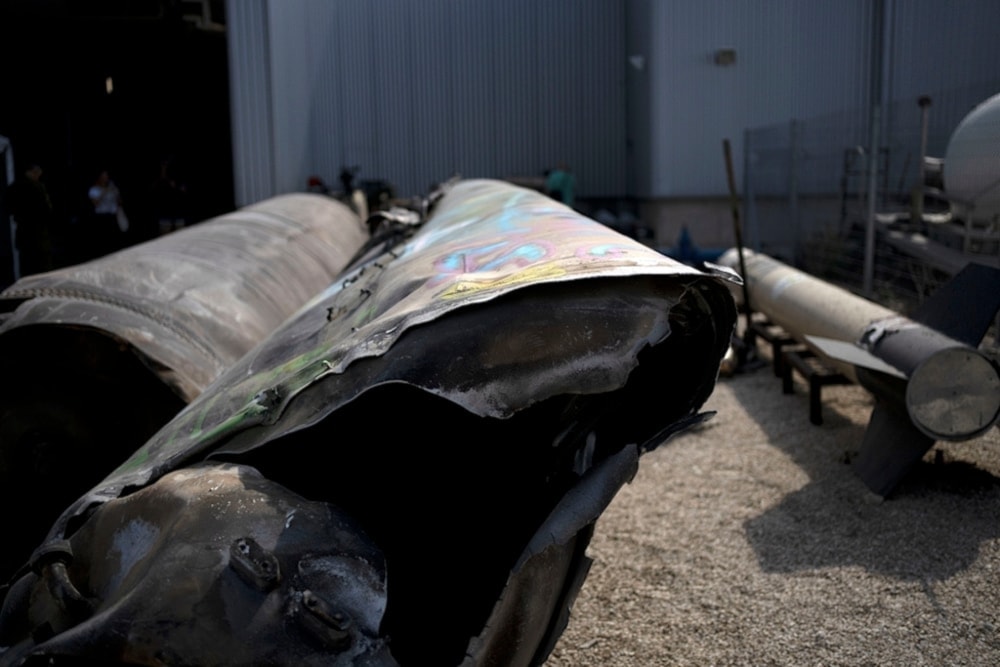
column 749, row 541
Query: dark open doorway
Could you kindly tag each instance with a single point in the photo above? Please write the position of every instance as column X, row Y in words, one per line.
column 93, row 84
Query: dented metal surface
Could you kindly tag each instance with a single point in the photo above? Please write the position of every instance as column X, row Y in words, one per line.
column 232, row 541
column 194, row 301
column 95, row 358
column 473, row 397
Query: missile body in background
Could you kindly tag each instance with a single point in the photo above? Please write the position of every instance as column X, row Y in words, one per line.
column 931, row 379
column 96, row 357
column 461, row 404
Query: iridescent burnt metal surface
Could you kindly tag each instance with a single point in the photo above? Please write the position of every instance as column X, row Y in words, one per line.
column 472, row 394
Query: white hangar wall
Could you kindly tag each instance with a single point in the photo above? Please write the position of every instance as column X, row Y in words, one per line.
column 796, row 60
column 413, row 92
column 791, row 59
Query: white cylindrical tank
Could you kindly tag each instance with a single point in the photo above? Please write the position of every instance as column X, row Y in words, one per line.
column 972, row 164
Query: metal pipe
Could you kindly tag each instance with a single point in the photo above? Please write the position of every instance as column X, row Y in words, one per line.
column 878, row 18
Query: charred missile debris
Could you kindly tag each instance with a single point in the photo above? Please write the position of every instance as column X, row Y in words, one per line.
column 97, row 357
column 407, row 471
column 930, row 379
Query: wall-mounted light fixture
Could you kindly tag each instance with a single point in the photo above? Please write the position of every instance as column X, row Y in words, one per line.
column 724, row 57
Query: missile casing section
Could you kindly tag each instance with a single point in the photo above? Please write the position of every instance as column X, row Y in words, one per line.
column 932, row 381
column 471, row 395
column 952, row 389
column 96, row 357
column 804, row 305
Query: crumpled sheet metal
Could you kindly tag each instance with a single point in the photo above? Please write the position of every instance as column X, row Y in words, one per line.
column 485, row 240
column 189, row 537
column 474, row 398
column 194, row 301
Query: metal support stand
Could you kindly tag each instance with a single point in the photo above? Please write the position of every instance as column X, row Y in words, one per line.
column 816, row 373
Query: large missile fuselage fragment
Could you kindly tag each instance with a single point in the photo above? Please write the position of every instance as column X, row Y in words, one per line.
column 472, row 396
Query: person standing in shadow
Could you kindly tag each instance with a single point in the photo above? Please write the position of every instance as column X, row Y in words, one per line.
column 109, row 221
column 560, row 184
column 29, row 203
column 169, row 200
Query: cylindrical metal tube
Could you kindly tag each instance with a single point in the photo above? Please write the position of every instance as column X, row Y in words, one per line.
column 952, row 390
column 804, row 305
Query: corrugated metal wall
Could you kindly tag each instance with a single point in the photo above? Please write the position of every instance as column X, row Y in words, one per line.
column 413, row 92
column 249, row 99
column 948, row 50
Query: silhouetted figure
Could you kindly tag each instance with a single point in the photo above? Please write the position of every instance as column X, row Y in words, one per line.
column 29, row 203
column 169, row 200
column 347, row 179
column 560, row 184
column 109, row 222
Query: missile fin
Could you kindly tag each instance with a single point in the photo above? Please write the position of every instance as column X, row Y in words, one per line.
column 852, row 354
column 891, row 446
column 964, row 307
